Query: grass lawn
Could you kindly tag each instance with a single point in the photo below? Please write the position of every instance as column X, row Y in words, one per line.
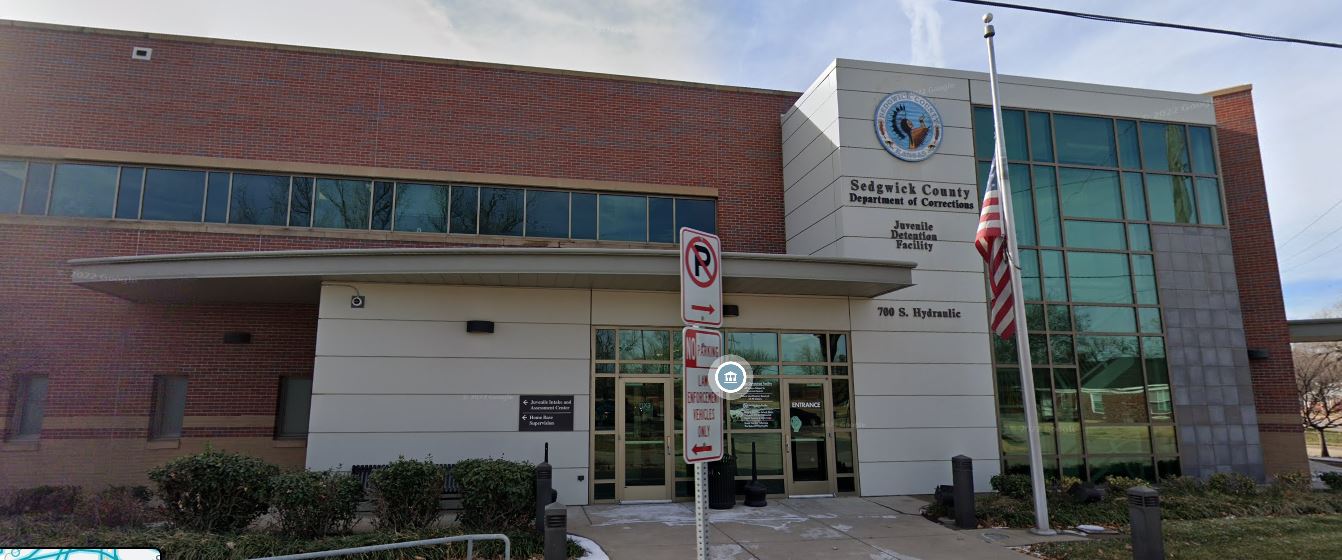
column 1259, row 538
column 1334, row 440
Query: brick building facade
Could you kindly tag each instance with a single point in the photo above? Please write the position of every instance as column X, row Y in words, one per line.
column 69, row 94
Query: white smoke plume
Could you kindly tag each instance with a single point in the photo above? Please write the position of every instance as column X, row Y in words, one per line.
column 924, row 32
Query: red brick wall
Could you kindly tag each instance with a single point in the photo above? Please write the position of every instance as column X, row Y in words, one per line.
column 82, row 90
column 1260, row 293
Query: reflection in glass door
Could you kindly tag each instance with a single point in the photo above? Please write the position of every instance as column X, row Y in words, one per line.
column 808, row 445
column 644, row 436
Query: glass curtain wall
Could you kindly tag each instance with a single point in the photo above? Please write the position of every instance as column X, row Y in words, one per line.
column 1085, row 190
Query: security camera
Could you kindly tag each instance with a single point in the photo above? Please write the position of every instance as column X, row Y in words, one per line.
column 356, row 302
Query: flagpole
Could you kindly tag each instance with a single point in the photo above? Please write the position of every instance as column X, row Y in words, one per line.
column 1017, row 297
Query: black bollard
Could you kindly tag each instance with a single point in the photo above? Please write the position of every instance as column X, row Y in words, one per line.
column 544, row 482
column 1148, row 542
column 755, row 491
column 556, row 532
column 962, row 478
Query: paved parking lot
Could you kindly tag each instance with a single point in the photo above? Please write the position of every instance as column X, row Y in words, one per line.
column 887, row 528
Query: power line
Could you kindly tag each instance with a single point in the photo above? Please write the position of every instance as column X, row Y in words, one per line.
column 1113, row 19
column 1311, row 224
column 1329, row 235
column 1303, row 263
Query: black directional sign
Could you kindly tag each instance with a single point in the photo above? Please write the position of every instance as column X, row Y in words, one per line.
column 545, row 413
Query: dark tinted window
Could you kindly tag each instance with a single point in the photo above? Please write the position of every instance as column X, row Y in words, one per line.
column 422, row 208
column 1089, row 193
column 169, row 407
column 501, row 211
column 295, row 403
column 128, row 193
column 300, row 203
column 465, row 206
column 1200, row 142
column 84, row 191
column 11, row 186
column 1085, row 140
column 623, row 218
column 1170, row 198
column 30, row 397
column 661, row 220
column 1041, row 137
column 547, row 214
column 1164, row 148
column 1129, row 153
column 382, row 201
column 696, row 213
column 173, row 194
column 216, row 197
column 1209, row 201
column 37, row 188
column 259, row 199
column 584, row 216
column 342, row 203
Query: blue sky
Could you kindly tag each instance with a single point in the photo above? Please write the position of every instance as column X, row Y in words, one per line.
column 784, row 44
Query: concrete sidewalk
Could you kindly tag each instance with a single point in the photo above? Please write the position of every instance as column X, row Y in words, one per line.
column 888, row 528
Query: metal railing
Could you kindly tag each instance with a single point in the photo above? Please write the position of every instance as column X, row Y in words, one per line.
column 468, row 539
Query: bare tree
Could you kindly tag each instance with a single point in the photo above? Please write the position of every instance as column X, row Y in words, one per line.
column 1318, row 378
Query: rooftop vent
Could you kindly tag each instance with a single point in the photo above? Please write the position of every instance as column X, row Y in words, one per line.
column 141, row 53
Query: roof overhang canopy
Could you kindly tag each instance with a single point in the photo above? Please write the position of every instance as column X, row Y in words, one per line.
column 1315, row 330
column 296, row 276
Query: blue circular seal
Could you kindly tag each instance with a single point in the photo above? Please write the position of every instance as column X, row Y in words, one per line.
column 908, row 126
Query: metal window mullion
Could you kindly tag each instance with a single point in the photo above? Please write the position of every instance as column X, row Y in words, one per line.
column 51, row 189
column 228, row 202
column 479, row 194
column 372, row 192
column 526, row 193
column 144, row 182
column 116, row 192
column 289, row 203
column 391, row 222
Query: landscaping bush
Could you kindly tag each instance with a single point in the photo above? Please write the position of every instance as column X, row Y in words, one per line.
column 1333, row 480
column 1182, row 486
column 1119, row 485
column 496, row 495
column 214, row 491
column 405, row 494
column 1066, row 483
column 115, row 506
column 1232, row 484
column 47, row 500
column 1293, row 483
column 1012, row 485
column 315, row 503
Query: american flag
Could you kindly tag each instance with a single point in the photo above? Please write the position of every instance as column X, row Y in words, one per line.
column 992, row 244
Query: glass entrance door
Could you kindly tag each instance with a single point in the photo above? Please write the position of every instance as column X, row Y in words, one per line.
column 808, row 444
column 644, row 434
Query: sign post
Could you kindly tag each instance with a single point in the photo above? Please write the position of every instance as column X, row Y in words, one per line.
column 700, row 307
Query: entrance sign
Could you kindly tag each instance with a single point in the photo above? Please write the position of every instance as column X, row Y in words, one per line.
column 703, row 407
column 545, row 413
column 700, row 278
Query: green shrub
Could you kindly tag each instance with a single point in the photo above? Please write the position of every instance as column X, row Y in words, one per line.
column 496, row 495
column 46, row 500
column 1182, row 486
column 1293, row 483
column 1333, row 480
column 315, row 503
column 1012, row 485
column 405, row 494
column 214, row 491
column 115, row 506
column 1232, row 484
column 1119, row 485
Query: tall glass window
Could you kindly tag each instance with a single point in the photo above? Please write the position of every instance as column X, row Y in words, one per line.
column 342, row 203
column 84, row 191
column 421, row 208
column 1093, row 311
column 259, row 199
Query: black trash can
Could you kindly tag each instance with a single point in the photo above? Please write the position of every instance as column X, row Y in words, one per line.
column 722, row 483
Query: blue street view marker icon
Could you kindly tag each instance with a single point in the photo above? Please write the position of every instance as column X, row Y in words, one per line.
column 730, row 377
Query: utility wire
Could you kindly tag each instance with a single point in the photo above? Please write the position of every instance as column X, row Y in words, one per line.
column 1329, row 235
column 1311, row 224
column 1308, row 261
column 1113, row 19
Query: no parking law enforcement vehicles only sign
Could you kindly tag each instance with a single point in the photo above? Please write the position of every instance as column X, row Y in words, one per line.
column 703, row 407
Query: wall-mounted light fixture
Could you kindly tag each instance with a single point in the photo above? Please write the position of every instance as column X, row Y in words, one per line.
column 237, row 337
column 479, row 326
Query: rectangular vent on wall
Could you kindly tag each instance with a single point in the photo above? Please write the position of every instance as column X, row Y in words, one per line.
column 141, row 53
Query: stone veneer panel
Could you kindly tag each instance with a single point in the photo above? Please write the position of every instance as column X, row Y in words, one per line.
column 1208, row 360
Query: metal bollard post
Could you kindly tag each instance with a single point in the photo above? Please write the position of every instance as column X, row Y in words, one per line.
column 556, row 532
column 962, row 477
column 544, row 482
column 1148, row 542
